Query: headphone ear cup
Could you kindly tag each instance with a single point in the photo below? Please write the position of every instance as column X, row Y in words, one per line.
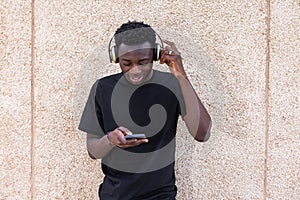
column 114, row 55
column 156, row 52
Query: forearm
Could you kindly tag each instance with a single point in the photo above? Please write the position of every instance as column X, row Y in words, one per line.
column 197, row 118
column 98, row 147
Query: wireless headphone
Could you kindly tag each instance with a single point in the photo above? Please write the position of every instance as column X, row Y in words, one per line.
column 113, row 51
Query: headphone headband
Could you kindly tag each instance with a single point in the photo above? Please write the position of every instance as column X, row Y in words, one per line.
column 113, row 51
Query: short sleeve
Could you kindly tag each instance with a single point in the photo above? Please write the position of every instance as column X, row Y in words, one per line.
column 89, row 121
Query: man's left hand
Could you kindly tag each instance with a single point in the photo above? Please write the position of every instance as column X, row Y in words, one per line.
column 171, row 56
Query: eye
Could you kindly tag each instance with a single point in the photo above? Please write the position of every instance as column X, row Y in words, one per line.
column 144, row 62
column 127, row 64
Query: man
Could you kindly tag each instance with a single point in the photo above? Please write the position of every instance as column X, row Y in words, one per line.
column 146, row 101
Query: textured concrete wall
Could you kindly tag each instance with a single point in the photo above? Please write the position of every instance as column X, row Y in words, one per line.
column 241, row 56
column 15, row 96
column 284, row 127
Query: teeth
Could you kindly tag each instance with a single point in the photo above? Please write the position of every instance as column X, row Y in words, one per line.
column 135, row 78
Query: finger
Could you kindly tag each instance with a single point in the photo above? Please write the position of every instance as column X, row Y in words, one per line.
column 163, row 60
column 166, row 53
column 120, row 138
column 170, row 51
column 137, row 141
column 141, row 141
column 162, row 56
column 167, row 48
column 168, row 42
column 172, row 44
column 124, row 130
column 133, row 143
column 166, row 58
column 120, row 132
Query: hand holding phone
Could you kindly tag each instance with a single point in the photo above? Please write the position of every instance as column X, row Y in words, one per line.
column 124, row 138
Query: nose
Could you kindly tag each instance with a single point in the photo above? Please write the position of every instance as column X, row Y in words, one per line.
column 135, row 69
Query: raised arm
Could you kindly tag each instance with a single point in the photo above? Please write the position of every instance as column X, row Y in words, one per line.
column 197, row 118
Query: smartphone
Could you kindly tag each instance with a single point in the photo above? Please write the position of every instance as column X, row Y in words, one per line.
column 135, row 136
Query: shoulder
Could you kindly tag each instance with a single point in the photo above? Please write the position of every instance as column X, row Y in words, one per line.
column 104, row 83
column 110, row 80
column 165, row 78
column 160, row 74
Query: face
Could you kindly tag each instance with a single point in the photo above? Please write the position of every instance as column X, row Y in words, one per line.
column 136, row 62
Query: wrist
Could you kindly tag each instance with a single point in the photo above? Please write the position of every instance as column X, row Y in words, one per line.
column 108, row 140
column 179, row 72
column 181, row 76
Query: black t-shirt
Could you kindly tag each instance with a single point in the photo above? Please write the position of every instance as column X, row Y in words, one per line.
column 152, row 108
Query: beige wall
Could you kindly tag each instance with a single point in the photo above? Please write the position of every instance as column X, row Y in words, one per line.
column 241, row 56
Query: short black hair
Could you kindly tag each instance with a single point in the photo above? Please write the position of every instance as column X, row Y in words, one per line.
column 133, row 33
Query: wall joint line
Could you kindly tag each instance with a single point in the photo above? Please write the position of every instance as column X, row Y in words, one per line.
column 33, row 105
column 267, row 97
